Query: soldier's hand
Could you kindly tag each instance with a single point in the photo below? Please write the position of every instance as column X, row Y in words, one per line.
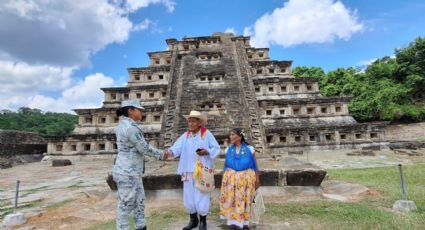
column 166, row 155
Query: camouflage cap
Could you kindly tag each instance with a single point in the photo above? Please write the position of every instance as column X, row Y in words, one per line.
column 133, row 103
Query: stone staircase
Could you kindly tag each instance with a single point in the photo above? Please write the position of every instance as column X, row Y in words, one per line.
column 169, row 131
column 243, row 70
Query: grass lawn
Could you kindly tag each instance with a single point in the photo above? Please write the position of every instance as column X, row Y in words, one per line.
column 373, row 212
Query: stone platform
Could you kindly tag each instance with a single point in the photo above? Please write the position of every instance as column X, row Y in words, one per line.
column 290, row 172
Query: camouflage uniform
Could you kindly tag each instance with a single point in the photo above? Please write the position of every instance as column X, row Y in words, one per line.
column 128, row 172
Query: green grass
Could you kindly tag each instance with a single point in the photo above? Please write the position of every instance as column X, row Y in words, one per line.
column 373, row 212
column 32, row 191
column 31, row 204
column 421, row 138
column 110, row 225
column 78, row 185
column 59, row 204
column 386, row 180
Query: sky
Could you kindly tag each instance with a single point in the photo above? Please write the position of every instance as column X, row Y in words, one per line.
column 56, row 55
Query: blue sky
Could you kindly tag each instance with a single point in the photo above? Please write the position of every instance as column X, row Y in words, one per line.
column 55, row 55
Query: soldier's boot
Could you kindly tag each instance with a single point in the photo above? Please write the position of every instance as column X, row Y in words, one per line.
column 203, row 223
column 193, row 223
column 144, row 228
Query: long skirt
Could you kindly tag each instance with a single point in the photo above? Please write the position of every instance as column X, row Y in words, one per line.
column 237, row 193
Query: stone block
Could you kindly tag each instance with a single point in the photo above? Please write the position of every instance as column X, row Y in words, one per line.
column 295, row 153
column 361, row 153
column 61, row 162
column 270, row 177
column 404, row 206
column 305, row 177
column 14, row 219
column 5, row 163
column 164, row 181
column 407, row 152
column 413, row 145
column 372, row 147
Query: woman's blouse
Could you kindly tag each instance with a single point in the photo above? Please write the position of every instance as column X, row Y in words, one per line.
column 242, row 160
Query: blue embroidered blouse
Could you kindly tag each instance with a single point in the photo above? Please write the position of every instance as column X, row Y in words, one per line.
column 242, row 160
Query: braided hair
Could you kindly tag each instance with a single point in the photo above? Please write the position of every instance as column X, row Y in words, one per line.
column 240, row 132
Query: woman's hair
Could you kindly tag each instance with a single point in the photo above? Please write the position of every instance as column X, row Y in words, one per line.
column 123, row 111
column 241, row 133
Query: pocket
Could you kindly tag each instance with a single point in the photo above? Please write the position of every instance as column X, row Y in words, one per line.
column 126, row 191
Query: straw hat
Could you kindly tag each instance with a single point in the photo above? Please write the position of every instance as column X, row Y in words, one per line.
column 197, row 114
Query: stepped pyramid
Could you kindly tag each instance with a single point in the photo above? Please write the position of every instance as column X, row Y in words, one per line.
column 236, row 85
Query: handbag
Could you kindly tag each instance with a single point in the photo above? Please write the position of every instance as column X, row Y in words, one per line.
column 257, row 207
column 204, row 177
column 111, row 182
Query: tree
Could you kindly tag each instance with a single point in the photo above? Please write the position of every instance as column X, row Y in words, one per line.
column 34, row 120
column 304, row 71
column 391, row 88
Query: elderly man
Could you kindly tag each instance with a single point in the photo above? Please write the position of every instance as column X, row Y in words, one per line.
column 196, row 143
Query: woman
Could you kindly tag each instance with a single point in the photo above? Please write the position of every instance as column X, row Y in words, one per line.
column 240, row 180
column 129, row 166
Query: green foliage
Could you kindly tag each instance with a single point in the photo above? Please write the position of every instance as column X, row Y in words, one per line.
column 34, row 120
column 303, row 71
column 391, row 88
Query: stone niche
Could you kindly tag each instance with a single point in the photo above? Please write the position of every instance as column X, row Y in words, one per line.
column 210, row 78
column 160, row 58
column 270, row 68
column 257, row 53
column 211, row 107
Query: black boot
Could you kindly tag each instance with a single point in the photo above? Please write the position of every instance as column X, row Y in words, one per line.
column 193, row 223
column 144, row 228
column 203, row 224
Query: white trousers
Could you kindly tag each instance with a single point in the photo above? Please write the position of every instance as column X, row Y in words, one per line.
column 194, row 200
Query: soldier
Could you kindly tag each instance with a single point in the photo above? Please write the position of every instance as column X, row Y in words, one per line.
column 196, row 143
column 129, row 166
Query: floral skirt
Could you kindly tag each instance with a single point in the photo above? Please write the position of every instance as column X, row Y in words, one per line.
column 237, row 192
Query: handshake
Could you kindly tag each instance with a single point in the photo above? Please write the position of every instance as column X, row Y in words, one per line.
column 167, row 154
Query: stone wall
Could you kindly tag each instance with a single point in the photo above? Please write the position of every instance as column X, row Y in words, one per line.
column 414, row 131
column 20, row 147
column 19, row 143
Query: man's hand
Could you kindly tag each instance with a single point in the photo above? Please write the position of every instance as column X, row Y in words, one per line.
column 202, row 152
column 167, row 154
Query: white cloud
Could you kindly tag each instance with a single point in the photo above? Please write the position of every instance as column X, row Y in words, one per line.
column 142, row 26
column 84, row 94
column 304, row 21
column 19, row 77
column 134, row 5
column 66, row 33
column 370, row 61
column 366, row 62
column 27, row 85
column 230, row 30
column 43, row 42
